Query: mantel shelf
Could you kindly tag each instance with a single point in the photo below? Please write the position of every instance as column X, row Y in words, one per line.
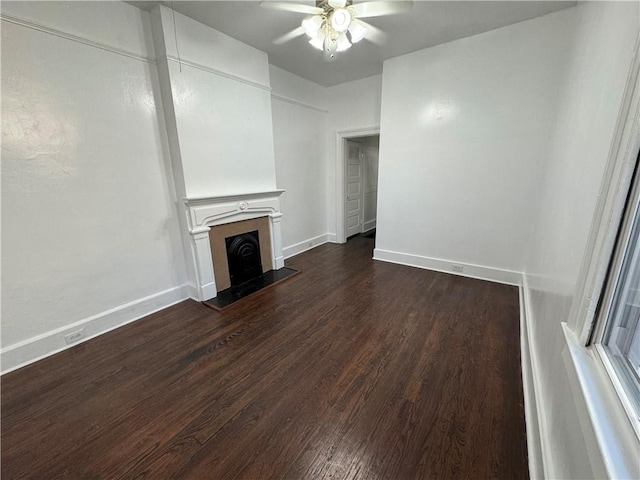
column 189, row 201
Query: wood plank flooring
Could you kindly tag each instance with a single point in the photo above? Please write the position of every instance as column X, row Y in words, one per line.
column 353, row 369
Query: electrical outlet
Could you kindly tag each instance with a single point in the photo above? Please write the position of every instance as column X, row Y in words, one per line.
column 73, row 337
column 457, row 268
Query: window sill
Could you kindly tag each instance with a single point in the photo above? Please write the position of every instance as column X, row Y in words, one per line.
column 601, row 413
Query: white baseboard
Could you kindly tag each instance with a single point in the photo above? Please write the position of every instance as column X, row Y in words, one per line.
column 308, row 244
column 332, row 238
column 192, row 292
column 532, row 421
column 370, row 225
column 41, row 346
column 546, row 469
column 508, row 277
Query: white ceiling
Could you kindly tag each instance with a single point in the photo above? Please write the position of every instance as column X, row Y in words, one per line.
column 429, row 23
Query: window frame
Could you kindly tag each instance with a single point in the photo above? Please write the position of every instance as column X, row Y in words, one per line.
column 606, row 304
column 601, row 408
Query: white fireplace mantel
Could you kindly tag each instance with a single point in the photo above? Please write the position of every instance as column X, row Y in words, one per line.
column 205, row 212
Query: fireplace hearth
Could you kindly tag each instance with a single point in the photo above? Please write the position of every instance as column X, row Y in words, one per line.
column 226, row 298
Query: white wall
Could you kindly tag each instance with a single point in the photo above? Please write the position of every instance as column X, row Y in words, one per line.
column 299, row 126
column 465, row 132
column 590, row 101
column 220, row 121
column 352, row 106
column 90, row 230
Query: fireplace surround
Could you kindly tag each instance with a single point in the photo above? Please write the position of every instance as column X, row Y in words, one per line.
column 218, row 238
column 203, row 213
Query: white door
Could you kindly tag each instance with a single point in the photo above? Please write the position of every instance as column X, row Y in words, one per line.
column 354, row 188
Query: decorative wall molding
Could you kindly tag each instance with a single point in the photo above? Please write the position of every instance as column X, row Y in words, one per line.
column 214, row 210
column 214, row 71
column 298, row 103
column 507, row 277
column 75, row 38
column 41, row 346
column 305, row 245
column 126, row 53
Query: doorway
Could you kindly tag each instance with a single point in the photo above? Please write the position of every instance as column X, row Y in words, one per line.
column 361, row 185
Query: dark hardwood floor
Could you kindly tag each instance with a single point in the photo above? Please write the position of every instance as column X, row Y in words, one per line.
column 352, row 369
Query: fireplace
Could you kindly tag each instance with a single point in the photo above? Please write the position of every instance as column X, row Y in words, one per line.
column 243, row 257
column 252, row 239
column 213, row 220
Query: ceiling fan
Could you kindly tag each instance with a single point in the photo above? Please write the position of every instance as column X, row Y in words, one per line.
column 335, row 25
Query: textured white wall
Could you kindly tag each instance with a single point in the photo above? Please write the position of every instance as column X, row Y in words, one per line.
column 299, row 126
column 116, row 26
column 220, row 125
column 88, row 211
column 464, row 134
column 590, row 102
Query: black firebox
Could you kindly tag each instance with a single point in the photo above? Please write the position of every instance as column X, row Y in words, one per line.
column 243, row 255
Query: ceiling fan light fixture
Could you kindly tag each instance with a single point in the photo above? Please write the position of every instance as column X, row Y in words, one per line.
column 312, row 25
column 343, row 43
column 335, row 25
column 357, row 31
column 340, row 19
column 318, row 41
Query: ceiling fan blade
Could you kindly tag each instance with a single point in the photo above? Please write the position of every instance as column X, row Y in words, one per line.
column 296, row 32
column 374, row 34
column 293, row 7
column 377, row 9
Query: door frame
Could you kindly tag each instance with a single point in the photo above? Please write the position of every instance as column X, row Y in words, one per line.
column 341, row 172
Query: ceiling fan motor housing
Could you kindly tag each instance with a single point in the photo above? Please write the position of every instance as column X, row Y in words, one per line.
column 340, row 20
column 324, row 4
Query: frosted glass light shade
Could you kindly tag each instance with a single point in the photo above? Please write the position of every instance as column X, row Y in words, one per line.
column 357, row 31
column 343, row 43
column 318, row 41
column 312, row 25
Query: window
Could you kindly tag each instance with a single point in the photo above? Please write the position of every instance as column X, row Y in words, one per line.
column 617, row 333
